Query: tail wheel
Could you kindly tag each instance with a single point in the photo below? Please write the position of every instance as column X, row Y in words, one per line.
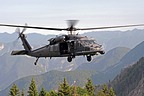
column 69, row 59
column 89, row 58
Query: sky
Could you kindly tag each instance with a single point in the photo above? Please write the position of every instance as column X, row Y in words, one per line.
column 54, row 13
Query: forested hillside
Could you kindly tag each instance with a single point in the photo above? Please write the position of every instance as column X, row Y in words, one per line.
column 131, row 80
column 51, row 80
column 64, row 89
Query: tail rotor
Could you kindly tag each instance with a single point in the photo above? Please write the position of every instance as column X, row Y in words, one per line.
column 19, row 31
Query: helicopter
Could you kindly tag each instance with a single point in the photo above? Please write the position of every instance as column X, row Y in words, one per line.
column 70, row 45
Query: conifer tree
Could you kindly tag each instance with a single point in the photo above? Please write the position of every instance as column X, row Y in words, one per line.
column 111, row 92
column 81, row 91
column 101, row 93
column 53, row 93
column 32, row 89
column 105, row 89
column 42, row 92
column 60, row 94
column 89, row 87
column 22, row 93
column 14, row 91
column 64, row 88
column 48, row 94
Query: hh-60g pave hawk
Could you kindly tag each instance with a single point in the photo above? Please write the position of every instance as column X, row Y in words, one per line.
column 69, row 46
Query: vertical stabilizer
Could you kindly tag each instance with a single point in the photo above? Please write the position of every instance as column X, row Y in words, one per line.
column 26, row 45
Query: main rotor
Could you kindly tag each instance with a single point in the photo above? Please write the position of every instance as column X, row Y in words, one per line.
column 71, row 27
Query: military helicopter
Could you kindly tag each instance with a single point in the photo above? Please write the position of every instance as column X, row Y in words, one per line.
column 69, row 46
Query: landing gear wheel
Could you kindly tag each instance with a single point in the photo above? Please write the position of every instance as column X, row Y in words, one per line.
column 89, row 58
column 69, row 59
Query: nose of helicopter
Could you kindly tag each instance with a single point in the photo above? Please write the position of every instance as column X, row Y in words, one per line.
column 98, row 48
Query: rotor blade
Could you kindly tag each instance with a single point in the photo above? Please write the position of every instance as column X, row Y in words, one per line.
column 34, row 27
column 17, row 30
column 72, row 23
column 110, row 27
column 24, row 29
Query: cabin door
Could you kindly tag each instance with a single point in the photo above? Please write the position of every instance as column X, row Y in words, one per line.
column 63, row 48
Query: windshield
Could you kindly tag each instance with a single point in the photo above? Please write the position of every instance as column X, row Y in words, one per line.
column 87, row 42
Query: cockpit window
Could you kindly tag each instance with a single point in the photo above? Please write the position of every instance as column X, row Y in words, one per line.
column 87, row 42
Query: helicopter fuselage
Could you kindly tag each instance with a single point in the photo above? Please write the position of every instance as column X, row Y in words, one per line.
column 63, row 46
column 73, row 46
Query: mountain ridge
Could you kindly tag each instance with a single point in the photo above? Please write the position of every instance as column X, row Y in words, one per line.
column 130, row 80
column 101, row 63
column 127, row 60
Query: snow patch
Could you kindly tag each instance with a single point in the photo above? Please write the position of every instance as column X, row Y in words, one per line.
column 1, row 47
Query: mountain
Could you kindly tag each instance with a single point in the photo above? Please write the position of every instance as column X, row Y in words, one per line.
column 98, row 77
column 32, row 37
column 12, row 68
column 127, row 60
column 101, row 63
column 130, row 81
column 51, row 80
column 6, row 37
column 15, row 67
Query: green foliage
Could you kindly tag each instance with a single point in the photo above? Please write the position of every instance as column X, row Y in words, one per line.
column 81, row 91
column 101, row 93
column 32, row 89
column 53, row 93
column 111, row 92
column 60, row 94
column 14, row 91
column 105, row 91
column 89, row 87
column 64, row 88
column 22, row 94
column 43, row 92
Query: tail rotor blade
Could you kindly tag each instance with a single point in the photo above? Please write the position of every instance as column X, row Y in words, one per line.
column 24, row 29
column 16, row 41
column 17, row 30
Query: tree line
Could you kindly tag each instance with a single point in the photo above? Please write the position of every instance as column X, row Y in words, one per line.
column 64, row 90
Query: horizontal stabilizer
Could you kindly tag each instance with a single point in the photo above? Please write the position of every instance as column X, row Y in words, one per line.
column 21, row 52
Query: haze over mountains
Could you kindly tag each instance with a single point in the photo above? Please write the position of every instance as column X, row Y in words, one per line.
column 122, row 50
